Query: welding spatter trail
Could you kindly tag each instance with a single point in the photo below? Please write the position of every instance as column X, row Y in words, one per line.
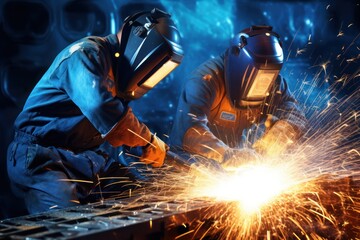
column 311, row 192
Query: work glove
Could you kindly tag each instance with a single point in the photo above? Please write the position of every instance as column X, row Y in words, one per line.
column 154, row 152
column 276, row 140
column 235, row 157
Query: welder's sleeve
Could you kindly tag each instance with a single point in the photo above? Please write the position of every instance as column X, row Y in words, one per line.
column 90, row 87
column 289, row 110
column 128, row 131
column 190, row 130
column 288, row 125
column 200, row 140
column 277, row 140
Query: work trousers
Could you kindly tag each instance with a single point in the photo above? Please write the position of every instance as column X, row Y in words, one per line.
column 47, row 177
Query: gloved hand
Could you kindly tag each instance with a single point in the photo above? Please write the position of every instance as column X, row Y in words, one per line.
column 235, row 157
column 277, row 140
column 154, row 153
column 128, row 131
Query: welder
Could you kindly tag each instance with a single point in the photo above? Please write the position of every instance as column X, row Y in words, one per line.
column 55, row 159
column 236, row 108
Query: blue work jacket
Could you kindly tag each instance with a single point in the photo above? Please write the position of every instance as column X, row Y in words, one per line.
column 75, row 102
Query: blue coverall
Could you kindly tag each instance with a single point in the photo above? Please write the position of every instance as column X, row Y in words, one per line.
column 206, row 122
column 72, row 110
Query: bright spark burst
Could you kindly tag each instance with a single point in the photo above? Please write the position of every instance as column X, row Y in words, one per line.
column 340, row 34
column 305, row 193
column 252, row 185
column 311, row 192
column 324, row 65
column 300, row 51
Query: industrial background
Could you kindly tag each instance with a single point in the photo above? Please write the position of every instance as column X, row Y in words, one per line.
column 315, row 34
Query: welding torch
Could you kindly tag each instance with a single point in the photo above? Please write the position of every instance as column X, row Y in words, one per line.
column 176, row 161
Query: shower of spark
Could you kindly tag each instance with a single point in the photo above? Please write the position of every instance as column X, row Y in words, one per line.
column 252, row 185
column 324, row 66
column 310, row 192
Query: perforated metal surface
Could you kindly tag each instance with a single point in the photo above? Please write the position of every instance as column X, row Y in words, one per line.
column 114, row 219
column 143, row 217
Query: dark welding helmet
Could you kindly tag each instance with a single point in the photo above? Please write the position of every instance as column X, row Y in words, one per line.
column 252, row 63
column 149, row 50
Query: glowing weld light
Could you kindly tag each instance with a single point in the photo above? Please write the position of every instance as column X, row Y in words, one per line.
column 258, row 185
column 253, row 186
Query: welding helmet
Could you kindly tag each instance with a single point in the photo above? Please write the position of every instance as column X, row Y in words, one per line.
column 149, row 50
column 252, row 64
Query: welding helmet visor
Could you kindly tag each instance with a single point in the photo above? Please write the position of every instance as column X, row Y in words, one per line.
column 252, row 64
column 149, row 50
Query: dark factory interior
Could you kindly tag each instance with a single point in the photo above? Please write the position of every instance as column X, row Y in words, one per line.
column 320, row 38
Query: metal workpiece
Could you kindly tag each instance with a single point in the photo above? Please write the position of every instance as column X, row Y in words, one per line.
column 329, row 213
column 114, row 219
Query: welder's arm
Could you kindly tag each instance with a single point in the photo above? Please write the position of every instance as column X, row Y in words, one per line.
column 288, row 125
column 237, row 157
column 128, row 131
column 290, row 110
column 154, row 152
column 198, row 139
column 89, row 84
column 131, row 132
column 190, row 130
column 281, row 136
